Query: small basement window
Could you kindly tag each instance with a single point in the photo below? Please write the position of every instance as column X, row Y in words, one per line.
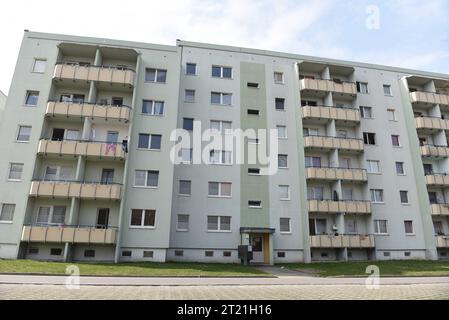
column 33, row 251
column 179, row 253
column 55, row 251
column 126, row 253
column 209, row 253
column 89, row 253
column 227, row 253
column 148, row 254
column 281, row 254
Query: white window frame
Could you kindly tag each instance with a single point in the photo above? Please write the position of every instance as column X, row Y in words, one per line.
column 189, row 161
column 27, row 94
column 146, row 179
column 377, row 227
column 1, row 212
column 289, row 226
column 49, row 221
column 153, row 108
column 221, row 130
column 392, row 112
column 179, row 188
column 11, row 164
column 399, row 141
column 369, row 167
column 18, row 132
column 221, row 71
column 185, row 95
column 221, row 98
column 221, row 156
column 219, row 230
column 365, row 85
column 282, row 77
column 374, row 198
column 406, row 194
column 220, row 185
column 177, row 222
column 142, row 220
column 390, row 94
column 413, row 228
column 196, row 69
column 403, row 168
column 149, row 142
column 286, row 157
column 157, row 70
column 285, row 137
column 288, row 192
column 33, row 69
column 363, row 113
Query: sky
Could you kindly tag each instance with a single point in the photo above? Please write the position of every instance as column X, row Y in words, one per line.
column 406, row 33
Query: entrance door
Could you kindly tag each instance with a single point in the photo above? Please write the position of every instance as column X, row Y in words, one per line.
column 257, row 243
column 102, row 218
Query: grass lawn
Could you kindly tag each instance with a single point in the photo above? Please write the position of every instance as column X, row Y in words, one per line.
column 387, row 268
column 130, row 269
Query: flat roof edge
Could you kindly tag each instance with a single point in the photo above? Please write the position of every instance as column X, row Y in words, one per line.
column 98, row 41
column 293, row 56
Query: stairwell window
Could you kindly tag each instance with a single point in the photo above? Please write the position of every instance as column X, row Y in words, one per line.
column 155, row 75
column 189, row 95
column 7, row 212
column 282, row 161
column 255, row 204
column 146, row 178
column 141, row 218
column 282, row 132
column 380, row 227
column 220, row 157
column 221, row 127
column 31, row 98
column 377, row 195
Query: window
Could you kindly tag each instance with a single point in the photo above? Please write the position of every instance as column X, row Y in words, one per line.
column 428, row 169
column 400, row 168
column 253, row 112
column 282, row 161
column 404, row 197
column 395, row 140
column 253, row 141
column 313, row 162
column 149, row 141
column 7, row 213
column 115, row 101
column 282, row 132
column 366, row 112
column 208, row 254
column 351, row 225
column 315, row 193
column 39, row 65
column 342, row 134
column 309, row 103
column 227, row 254
column 280, row 104
column 377, row 195
column 189, row 95
column 284, row 192
column 278, row 77
column 112, row 137
column 185, row 187
column 127, row 253
column 89, row 253
column 190, row 69
column 148, row 254
column 369, row 138
column 433, row 198
column 24, row 134
column 317, row 226
column 362, row 87
column 182, row 224
column 408, row 226
column 220, row 157
column 146, row 178
column 220, row 126
column 310, row 132
column 380, row 227
column 284, row 225
column 253, row 171
column 51, row 215
column 153, row 108
column 438, row 227
column 373, row 166
column 155, row 75
column 391, row 114
column 187, row 124
column 347, row 194
column 31, row 98
column 345, row 163
column 253, row 85
column 186, row 155
column 33, row 250
column 72, row 98
column 387, row 90
column 143, row 218
column 179, row 253
column 257, row 204
column 220, row 189
column 221, row 72
column 55, row 251
column 15, row 171
column 281, row 254
column 218, row 223
column 58, row 173
column 221, row 98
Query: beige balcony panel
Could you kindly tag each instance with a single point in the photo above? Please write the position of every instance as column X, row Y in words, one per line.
column 37, row 234
column 342, row 241
column 68, row 234
column 75, row 190
column 432, row 123
column 82, row 235
column 435, row 151
column 439, row 209
column 437, row 180
column 87, row 110
column 442, row 241
column 26, row 233
column 54, row 234
column 79, row 148
column 428, row 97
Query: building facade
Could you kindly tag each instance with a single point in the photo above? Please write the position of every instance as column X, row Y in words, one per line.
column 88, row 170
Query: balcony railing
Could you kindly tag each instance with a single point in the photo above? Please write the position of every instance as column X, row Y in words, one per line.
column 70, row 234
column 324, row 112
column 90, row 110
column 346, row 206
column 326, row 142
column 437, row 179
column 439, row 209
column 91, row 149
column 342, row 87
column 433, row 123
column 435, row 151
column 342, row 241
column 429, row 97
column 443, row 241
column 106, row 74
column 333, row 174
column 75, row 189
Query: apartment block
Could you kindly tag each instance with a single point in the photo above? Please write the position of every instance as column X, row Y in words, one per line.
column 87, row 158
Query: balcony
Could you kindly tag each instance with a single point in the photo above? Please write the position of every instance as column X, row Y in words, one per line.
column 103, row 74
column 83, row 110
column 325, row 142
column 69, row 189
column 432, row 123
column 429, row 98
column 333, row 174
column 439, row 209
column 89, row 149
column 437, row 180
column 442, row 241
column 321, row 87
column 70, row 234
column 328, row 113
column 330, row 206
column 434, row 151
column 342, row 241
